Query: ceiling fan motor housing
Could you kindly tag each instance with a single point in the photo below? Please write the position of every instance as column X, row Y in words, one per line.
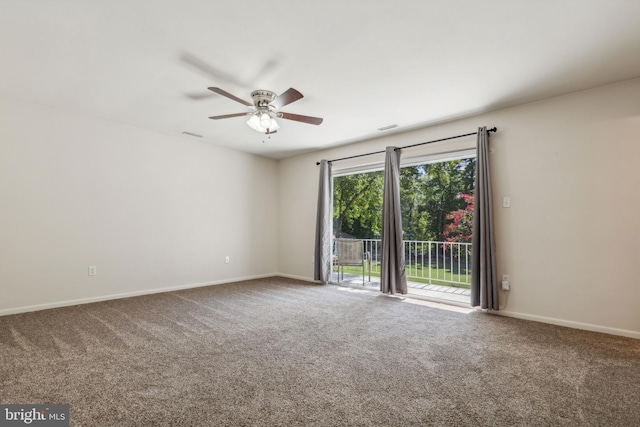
column 262, row 98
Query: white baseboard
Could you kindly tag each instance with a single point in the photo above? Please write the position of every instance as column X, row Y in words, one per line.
column 79, row 301
column 569, row 324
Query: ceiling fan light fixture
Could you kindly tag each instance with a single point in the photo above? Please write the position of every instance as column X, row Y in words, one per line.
column 254, row 122
column 263, row 122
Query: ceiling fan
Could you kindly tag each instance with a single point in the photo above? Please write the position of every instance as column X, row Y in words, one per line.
column 264, row 109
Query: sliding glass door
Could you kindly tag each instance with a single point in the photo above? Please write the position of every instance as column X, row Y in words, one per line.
column 437, row 217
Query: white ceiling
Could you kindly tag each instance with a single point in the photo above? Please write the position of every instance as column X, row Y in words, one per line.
column 361, row 64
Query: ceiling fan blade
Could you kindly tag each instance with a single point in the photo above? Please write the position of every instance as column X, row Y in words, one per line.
column 300, row 118
column 210, row 70
column 228, row 95
column 228, row 116
column 265, row 70
column 287, row 97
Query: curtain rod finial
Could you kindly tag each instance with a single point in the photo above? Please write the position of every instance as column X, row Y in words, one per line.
column 493, row 129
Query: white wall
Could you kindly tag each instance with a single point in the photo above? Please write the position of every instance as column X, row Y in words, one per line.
column 571, row 239
column 150, row 211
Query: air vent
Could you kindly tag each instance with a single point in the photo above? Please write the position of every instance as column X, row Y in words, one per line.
column 388, row 127
column 192, row 134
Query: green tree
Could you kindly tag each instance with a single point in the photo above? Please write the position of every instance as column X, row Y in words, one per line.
column 440, row 185
column 428, row 194
column 357, row 204
column 414, row 219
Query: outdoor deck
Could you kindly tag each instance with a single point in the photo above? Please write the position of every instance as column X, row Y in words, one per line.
column 445, row 293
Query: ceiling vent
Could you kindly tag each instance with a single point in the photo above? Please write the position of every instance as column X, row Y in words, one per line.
column 192, row 134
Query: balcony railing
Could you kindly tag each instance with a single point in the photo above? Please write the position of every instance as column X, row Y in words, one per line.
column 441, row 263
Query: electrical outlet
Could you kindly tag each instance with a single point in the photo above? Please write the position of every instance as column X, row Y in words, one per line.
column 227, row 259
column 505, row 282
column 92, row 270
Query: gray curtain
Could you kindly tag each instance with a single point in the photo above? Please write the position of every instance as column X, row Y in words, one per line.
column 484, row 276
column 322, row 257
column 393, row 279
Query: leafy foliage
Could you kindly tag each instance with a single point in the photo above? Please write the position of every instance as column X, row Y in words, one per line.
column 428, row 195
column 460, row 229
column 357, row 204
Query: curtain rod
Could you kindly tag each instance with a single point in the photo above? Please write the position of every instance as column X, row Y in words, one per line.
column 493, row 129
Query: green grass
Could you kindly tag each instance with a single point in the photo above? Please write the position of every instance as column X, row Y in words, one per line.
column 415, row 273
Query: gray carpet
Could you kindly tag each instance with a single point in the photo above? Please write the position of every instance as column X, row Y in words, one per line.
column 280, row 352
